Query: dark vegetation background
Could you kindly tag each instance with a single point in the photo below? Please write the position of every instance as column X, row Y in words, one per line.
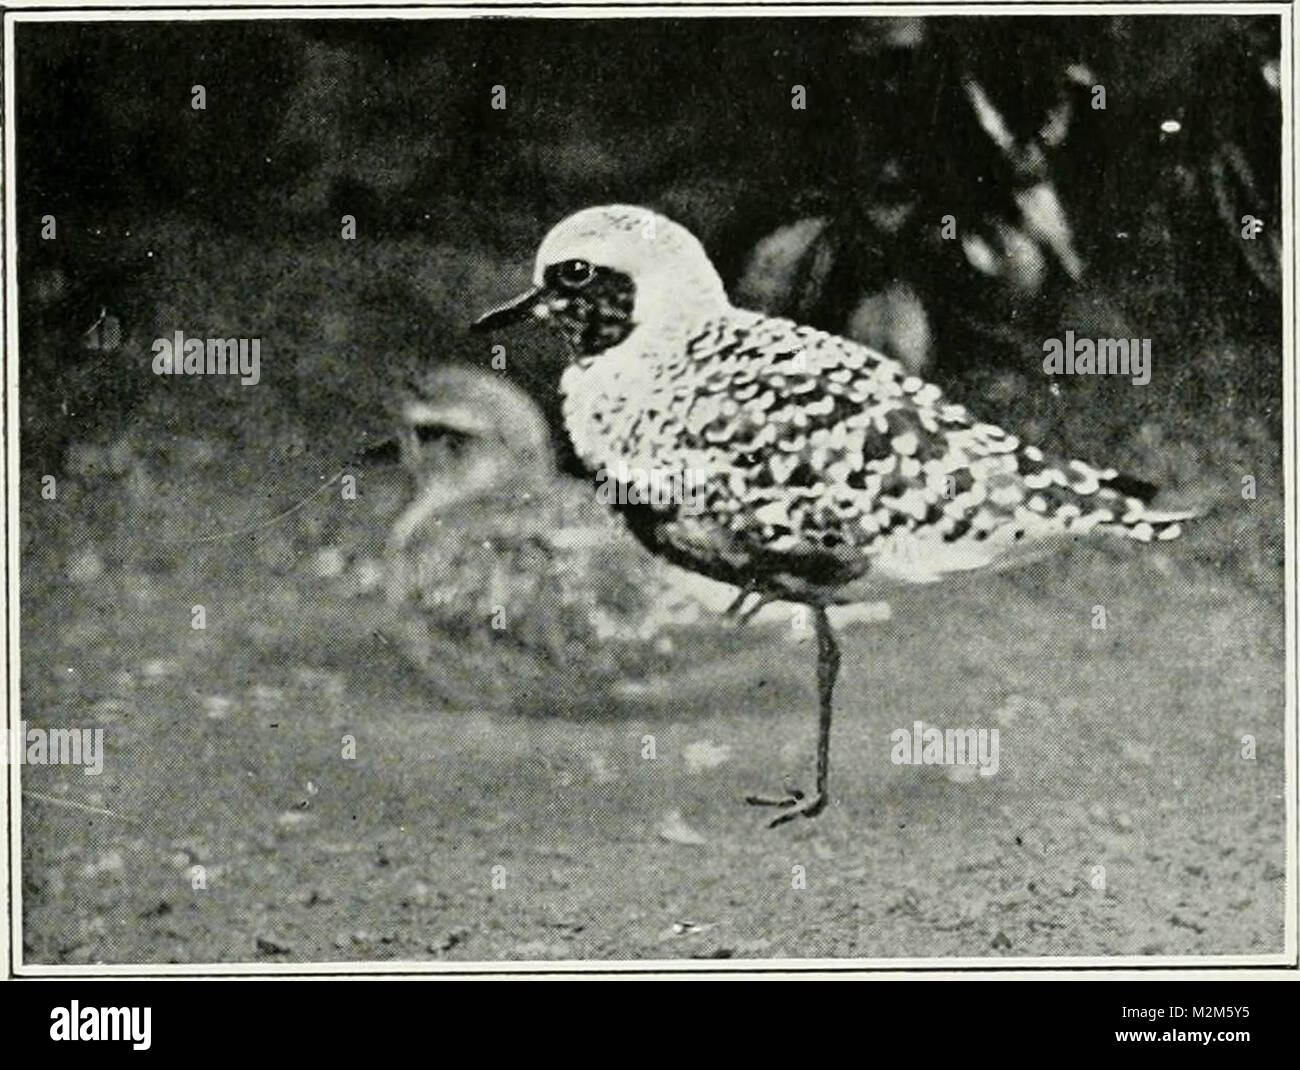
column 226, row 222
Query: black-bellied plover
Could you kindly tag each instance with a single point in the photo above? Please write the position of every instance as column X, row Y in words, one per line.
column 829, row 473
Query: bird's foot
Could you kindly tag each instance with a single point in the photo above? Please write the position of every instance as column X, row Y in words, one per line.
column 794, row 804
column 792, row 796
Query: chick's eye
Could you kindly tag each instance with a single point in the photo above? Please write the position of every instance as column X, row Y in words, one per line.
column 575, row 273
column 448, row 439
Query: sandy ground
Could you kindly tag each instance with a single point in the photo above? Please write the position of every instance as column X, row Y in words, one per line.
column 1123, row 819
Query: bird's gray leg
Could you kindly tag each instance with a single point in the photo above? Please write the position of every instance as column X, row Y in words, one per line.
column 796, row 804
column 734, row 611
column 749, row 614
column 738, row 613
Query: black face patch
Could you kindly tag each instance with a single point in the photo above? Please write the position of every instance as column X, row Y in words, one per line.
column 593, row 309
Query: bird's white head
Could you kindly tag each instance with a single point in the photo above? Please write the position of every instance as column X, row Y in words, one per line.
column 608, row 271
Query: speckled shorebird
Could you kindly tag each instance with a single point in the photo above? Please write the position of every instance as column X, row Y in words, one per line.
column 513, row 584
column 830, row 473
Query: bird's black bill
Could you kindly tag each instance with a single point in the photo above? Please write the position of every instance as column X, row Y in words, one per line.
column 511, row 312
column 381, row 454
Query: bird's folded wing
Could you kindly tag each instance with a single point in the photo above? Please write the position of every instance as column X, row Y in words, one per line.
column 820, row 457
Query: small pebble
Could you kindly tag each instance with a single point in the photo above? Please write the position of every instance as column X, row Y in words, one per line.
column 84, row 566
column 273, row 945
column 674, row 829
column 158, row 669
column 704, row 754
column 328, row 563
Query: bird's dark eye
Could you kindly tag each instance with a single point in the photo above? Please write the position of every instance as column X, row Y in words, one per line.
column 575, row 274
column 448, row 438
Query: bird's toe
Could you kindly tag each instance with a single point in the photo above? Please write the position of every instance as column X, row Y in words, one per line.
column 810, row 806
column 791, row 798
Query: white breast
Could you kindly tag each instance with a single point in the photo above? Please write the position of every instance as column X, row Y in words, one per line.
column 614, row 407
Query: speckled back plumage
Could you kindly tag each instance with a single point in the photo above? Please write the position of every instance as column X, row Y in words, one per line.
column 828, row 471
